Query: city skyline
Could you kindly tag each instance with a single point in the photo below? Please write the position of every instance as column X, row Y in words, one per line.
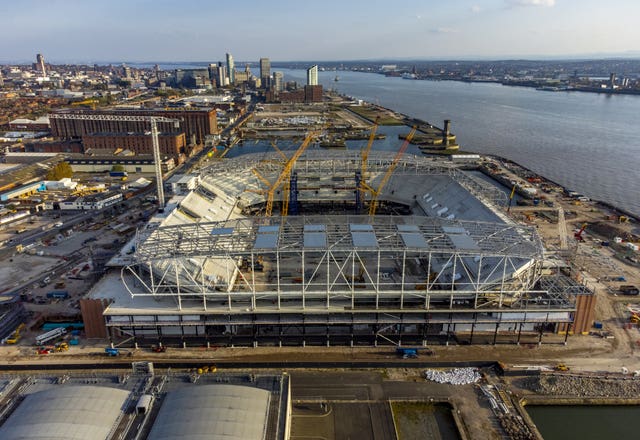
column 145, row 31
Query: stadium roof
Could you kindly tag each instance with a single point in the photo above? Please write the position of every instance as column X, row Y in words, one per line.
column 66, row 413
column 224, row 412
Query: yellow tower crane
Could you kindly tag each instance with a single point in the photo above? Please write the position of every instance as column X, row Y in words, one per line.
column 365, row 158
column 373, row 205
column 283, row 177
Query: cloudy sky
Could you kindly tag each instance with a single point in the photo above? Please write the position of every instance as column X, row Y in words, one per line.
column 199, row 30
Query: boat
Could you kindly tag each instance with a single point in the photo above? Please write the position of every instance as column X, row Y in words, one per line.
column 409, row 76
column 333, row 142
column 337, row 78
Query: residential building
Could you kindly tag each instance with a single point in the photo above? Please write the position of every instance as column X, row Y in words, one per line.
column 312, row 76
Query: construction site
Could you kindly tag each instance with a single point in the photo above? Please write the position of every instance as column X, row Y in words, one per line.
column 340, row 248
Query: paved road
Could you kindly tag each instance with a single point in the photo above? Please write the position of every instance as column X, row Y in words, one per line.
column 352, row 404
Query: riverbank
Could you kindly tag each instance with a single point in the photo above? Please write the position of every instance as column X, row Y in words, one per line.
column 545, row 85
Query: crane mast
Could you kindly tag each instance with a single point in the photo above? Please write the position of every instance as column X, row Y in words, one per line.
column 387, row 175
column 153, row 122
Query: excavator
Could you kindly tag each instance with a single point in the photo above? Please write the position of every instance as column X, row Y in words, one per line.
column 578, row 235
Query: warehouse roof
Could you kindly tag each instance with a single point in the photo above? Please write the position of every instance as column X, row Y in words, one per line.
column 214, row 412
column 66, row 413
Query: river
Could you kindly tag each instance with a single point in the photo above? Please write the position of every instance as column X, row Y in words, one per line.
column 585, row 422
column 587, row 142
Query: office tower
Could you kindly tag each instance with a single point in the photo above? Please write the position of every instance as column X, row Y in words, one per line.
column 312, row 76
column 278, row 81
column 612, row 81
column 231, row 70
column 265, row 72
column 221, row 76
column 40, row 63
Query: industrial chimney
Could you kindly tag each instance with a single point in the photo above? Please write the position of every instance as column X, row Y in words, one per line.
column 445, row 132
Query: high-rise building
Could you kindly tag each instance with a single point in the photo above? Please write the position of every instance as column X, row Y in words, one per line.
column 278, row 81
column 231, row 70
column 221, row 76
column 312, row 76
column 265, row 72
column 40, row 62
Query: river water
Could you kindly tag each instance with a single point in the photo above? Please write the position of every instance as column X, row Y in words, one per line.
column 586, row 422
column 587, row 142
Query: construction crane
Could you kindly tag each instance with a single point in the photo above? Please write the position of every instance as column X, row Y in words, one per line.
column 284, row 177
column 367, row 149
column 153, row 122
column 373, row 205
column 361, row 176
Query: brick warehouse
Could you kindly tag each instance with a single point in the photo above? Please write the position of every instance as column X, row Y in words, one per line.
column 196, row 124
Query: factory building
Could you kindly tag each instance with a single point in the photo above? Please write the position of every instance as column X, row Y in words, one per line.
column 196, row 124
column 438, row 262
column 142, row 163
column 171, row 144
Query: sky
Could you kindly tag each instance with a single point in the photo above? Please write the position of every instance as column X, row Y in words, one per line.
column 283, row 30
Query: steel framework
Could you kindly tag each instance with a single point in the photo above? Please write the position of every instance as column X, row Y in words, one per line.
column 336, row 278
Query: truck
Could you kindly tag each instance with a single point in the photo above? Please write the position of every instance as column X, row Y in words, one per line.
column 412, row 352
column 58, row 294
column 629, row 290
column 50, row 335
column 112, row 351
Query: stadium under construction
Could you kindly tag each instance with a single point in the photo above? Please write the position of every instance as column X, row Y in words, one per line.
column 336, row 248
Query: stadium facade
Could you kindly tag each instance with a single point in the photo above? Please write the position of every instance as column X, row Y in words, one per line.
column 438, row 262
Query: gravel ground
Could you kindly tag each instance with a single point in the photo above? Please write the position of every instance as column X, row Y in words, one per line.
column 576, row 386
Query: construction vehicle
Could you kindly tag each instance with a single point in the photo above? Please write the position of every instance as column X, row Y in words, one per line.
column 578, row 235
column 561, row 367
column 62, row 346
column 15, row 336
column 412, row 352
column 207, row 369
column 112, row 351
column 43, row 350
